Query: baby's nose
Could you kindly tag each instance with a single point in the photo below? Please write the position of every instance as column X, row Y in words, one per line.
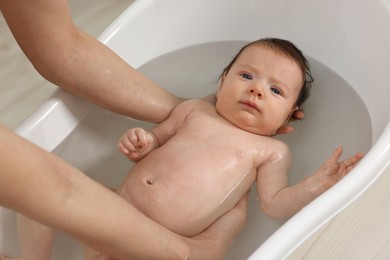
column 256, row 91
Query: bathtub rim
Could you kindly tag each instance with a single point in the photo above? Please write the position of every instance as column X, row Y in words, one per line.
column 59, row 114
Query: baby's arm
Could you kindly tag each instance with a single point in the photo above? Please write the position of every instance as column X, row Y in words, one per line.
column 136, row 143
column 278, row 200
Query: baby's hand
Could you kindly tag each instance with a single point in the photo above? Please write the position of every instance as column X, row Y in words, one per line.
column 135, row 143
column 332, row 170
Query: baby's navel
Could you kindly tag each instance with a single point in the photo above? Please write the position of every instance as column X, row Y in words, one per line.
column 149, row 181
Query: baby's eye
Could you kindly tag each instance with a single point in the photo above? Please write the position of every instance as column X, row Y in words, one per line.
column 276, row 91
column 246, row 76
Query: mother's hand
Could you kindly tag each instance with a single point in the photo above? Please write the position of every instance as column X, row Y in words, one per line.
column 286, row 129
column 213, row 242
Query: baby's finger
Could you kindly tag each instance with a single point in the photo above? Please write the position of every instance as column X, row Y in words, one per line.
column 122, row 148
column 129, row 142
column 335, row 156
column 353, row 160
column 142, row 137
column 133, row 155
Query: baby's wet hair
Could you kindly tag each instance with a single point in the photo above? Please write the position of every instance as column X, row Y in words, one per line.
column 287, row 48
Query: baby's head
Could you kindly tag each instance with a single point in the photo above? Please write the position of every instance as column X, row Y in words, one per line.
column 276, row 73
column 288, row 49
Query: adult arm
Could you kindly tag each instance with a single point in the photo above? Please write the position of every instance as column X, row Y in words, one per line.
column 47, row 189
column 80, row 64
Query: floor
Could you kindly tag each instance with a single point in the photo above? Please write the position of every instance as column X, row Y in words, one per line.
column 359, row 232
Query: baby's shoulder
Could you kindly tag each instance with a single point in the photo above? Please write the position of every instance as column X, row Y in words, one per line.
column 187, row 109
column 275, row 148
column 281, row 150
column 279, row 144
column 196, row 102
column 193, row 104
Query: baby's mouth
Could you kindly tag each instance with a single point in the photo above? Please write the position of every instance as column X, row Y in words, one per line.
column 251, row 104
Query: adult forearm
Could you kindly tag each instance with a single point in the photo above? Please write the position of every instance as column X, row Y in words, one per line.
column 77, row 62
column 45, row 188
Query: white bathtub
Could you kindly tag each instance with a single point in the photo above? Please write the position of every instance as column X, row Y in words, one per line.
column 184, row 45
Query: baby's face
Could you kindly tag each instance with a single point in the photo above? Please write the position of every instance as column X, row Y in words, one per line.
column 260, row 91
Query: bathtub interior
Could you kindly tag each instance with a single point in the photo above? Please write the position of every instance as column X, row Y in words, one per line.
column 314, row 138
column 348, row 106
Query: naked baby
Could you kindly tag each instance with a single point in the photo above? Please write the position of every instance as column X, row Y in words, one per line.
column 196, row 165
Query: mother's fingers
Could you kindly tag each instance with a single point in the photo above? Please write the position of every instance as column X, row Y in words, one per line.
column 298, row 115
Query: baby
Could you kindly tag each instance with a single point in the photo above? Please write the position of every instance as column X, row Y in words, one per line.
column 197, row 164
column 203, row 159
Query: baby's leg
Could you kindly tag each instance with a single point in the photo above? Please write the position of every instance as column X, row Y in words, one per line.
column 35, row 239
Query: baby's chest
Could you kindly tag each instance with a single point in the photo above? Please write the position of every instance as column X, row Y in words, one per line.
column 219, row 157
column 220, row 145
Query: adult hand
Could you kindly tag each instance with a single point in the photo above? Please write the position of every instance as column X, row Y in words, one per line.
column 286, row 129
column 216, row 239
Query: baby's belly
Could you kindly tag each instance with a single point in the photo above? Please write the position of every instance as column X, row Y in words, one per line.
column 184, row 202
